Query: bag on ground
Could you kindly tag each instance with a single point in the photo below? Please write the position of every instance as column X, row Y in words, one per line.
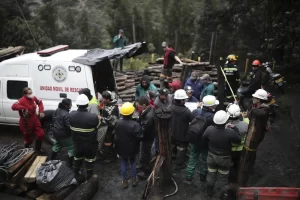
column 54, row 175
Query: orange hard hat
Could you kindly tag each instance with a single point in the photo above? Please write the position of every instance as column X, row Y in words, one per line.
column 256, row 63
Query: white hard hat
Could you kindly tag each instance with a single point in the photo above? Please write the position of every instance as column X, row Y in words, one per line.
column 233, row 110
column 82, row 100
column 180, row 95
column 210, row 100
column 221, row 117
column 261, row 94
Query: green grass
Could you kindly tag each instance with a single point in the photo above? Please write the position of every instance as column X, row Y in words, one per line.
column 139, row 62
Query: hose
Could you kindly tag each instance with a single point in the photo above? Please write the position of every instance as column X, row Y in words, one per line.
column 176, row 190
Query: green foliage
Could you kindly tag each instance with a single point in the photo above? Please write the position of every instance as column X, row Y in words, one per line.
column 134, row 64
column 151, row 47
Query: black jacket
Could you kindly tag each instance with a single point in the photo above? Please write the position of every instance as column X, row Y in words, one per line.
column 61, row 124
column 219, row 140
column 147, row 121
column 83, row 126
column 181, row 117
column 128, row 137
column 258, row 79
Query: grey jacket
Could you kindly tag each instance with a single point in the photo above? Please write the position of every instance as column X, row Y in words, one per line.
column 160, row 104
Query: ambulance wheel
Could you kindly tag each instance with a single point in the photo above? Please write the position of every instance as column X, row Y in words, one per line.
column 49, row 137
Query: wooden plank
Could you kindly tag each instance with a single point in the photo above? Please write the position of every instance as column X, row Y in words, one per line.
column 44, row 197
column 31, row 174
column 21, row 173
column 26, row 186
column 32, row 167
column 12, row 170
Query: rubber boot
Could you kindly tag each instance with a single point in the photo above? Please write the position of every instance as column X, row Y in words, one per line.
column 210, row 191
column 53, row 155
column 180, row 164
column 27, row 145
column 89, row 174
column 70, row 161
column 38, row 146
column 79, row 178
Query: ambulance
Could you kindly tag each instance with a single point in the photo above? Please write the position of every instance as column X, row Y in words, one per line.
column 52, row 75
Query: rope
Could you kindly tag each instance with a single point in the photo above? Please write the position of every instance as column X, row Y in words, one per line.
column 36, row 44
column 11, row 154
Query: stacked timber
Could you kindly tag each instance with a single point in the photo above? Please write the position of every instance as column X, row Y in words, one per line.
column 127, row 82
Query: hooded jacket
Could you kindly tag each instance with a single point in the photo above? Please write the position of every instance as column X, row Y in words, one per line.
column 61, row 125
column 208, row 90
column 197, row 87
column 147, row 121
column 141, row 91
column 181, row 117
column 160, row 104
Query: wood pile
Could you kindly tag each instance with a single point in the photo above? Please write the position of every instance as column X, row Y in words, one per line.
column 11, row 50
column 126, row 83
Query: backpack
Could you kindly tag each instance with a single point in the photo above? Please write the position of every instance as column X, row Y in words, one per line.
column 197, row 128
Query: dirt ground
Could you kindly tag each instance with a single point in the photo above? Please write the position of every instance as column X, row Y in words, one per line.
column 277, row 164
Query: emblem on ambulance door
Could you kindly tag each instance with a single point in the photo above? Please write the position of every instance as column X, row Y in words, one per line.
column 59, row 73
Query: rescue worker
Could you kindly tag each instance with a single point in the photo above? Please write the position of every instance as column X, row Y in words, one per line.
column 147, row 122
column 189, row 91
column 93, row 102
column 119, row 42
column 109, row 115
column 61, row 130
column 83, row 125
column 196, row 84
column 30, row 124
column 219, row 141
column 209, row 86
column 232, row 73
column 164, row 99
column 128, row 137
column 234, row 112
column 169, row 60
column 144, row 87
column 181, row 117
column 259, row 102
column 208, row 110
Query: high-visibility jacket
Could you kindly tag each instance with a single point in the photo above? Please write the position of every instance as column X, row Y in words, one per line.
column 83, row 126
column 243, row 128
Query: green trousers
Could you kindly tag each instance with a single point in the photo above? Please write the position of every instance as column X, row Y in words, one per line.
column 195, row 152
column 68, row 143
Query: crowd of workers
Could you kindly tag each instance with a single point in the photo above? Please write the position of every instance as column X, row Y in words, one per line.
column 99, row 130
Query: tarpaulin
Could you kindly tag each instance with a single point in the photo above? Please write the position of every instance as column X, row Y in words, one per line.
column 94, row 56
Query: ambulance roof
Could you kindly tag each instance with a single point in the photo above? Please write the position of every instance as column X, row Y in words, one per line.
column 63, row 56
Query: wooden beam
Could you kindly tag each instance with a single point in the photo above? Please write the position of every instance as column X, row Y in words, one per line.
column 33, row 194
column 21, row 173
column 30, row 176
column 12, row 170
column 44, row 197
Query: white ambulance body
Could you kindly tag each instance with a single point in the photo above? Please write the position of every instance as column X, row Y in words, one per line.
column 51, row 79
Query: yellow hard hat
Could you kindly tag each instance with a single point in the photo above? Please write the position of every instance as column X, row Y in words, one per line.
column 232, row 57
column 127, row 109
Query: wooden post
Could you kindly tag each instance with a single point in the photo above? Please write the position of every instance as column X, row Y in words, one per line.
column 256, row 133
column 211, row 47
column 246, row 67
column 163, row 160
column 221, row 84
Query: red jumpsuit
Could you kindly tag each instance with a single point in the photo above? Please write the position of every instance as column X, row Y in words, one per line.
column 33, row 121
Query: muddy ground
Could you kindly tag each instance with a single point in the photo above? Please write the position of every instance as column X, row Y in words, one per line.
column 278, row 159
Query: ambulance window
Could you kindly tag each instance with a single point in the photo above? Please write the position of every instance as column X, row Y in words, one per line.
column 14, row 89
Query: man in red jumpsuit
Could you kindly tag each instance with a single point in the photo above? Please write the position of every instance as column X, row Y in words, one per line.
column 29, row 122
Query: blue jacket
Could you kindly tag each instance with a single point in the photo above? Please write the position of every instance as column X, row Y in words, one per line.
column 208, row 90
column 197, row 87
column 192, row 99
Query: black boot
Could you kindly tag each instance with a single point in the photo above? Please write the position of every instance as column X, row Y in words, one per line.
column 89, row 174
column 27, row 145
column 53, row 155
column 38, row 146
column 210, row 191
column 70, row 161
